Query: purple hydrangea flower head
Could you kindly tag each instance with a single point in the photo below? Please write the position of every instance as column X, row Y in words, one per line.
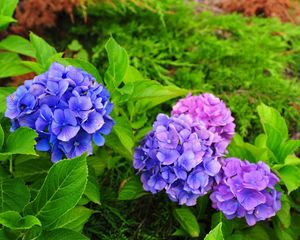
column 246, row 190
column 68, row 109
column 179, row 156
column 211, row 112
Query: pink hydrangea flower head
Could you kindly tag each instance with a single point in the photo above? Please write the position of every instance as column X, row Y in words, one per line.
column 211, row 112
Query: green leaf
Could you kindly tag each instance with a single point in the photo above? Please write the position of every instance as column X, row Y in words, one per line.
column 292, row 160
column 6, row 234
column 290, row 175
column 261, row 140
column 187, row 221
column 61, row 190
column 284, row 214
column 276, row 130
column 21, row 141
column 1, row 137
column 140, row 122
column 113, row 141
column 227, row 226
column 118, row 63
column 84, row 65
column 272, row 117
column 124, row 132
column 33, row 66
column 43, row 50
column 215, row 234
column 9, row 57
column 257, row 232
column 132, row 75
column 7, row 7
column 15, row 221
column 4, row 92
column 14, row 195
column 75, row 46
column 82, row 54
column 62, row 234
column 12, row 69
column 32, row 169
column 33, row 233
column 98, row 162
column 5, row 20
column 131, row 189
column 3, row 172
column 74, row 219
column 287, row 148
column 149, row 93
column 17, row 44
column 238, row 148
column 92, row 187
column 180, row 233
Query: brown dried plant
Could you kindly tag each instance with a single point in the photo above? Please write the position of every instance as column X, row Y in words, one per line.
column 286, row 10
column 36, row 15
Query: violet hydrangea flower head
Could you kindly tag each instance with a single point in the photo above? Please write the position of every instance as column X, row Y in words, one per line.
column 67, row 108
column 212, row 112
column 246, row 190
column 179, row 156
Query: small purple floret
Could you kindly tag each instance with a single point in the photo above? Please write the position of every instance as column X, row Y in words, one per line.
column 246, row 190
column 67, row 108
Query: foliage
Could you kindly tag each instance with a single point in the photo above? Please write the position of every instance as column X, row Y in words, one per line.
column 203, row 52
column 191, row 53
column 7, row 8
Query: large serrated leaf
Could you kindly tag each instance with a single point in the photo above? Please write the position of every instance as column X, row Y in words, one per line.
column 43, row 50
column 14, row 195
column 92, row 191
column 74, row 219
column 21, row 141
column 17, row 44
column 61, row 190
column 12, row 69
column 32, row 169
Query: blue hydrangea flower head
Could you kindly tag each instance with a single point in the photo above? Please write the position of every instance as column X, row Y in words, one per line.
column 67, row 108
column 246, row 190
column 179, row 156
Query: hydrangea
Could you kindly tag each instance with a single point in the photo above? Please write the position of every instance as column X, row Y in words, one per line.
column 211, row 112
column 179, row 156
column 246, row 190
column 67, row 108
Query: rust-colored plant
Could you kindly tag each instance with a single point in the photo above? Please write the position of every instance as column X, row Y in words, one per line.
column 286, row 10
column 36, row 15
